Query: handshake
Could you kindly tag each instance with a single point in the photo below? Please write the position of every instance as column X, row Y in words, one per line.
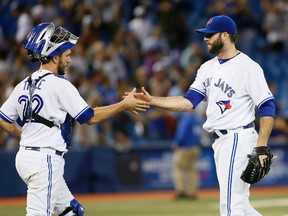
column 136, row 101
column 141, row 101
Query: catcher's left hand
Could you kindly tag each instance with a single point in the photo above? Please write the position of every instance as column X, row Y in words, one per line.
column 254, row 171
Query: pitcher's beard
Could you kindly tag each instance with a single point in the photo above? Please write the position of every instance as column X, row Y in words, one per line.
column 217, row 46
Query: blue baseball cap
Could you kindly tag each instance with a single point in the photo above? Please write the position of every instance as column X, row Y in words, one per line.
column 219, row 24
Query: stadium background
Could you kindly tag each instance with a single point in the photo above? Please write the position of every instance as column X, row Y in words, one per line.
column 139, row 43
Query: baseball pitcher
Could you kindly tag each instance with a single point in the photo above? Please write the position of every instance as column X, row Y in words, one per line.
column 233, row 85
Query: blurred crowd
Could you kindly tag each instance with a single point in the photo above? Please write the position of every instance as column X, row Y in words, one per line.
column 151, row 43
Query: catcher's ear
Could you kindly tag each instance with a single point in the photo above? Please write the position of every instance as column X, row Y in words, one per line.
column 54, row 59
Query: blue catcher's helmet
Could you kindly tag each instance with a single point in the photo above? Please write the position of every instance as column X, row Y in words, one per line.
column 46, row 41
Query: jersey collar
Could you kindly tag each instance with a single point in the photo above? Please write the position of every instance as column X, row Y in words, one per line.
column 222, row 61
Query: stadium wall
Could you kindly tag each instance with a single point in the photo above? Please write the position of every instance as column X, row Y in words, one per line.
column 102, row 169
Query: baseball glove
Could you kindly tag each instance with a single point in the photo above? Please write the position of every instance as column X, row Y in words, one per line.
column 253, row 172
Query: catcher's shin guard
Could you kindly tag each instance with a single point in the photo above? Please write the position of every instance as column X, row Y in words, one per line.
column 76, row 207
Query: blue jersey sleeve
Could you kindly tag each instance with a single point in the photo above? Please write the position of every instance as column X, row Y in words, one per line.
column 85, row 115
column 194, row 97
column 5, row 117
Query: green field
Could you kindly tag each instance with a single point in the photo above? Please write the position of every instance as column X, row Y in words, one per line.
column 267, row 205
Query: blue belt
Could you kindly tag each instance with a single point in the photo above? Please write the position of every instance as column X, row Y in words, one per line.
column 224, row 132
column 60, row 153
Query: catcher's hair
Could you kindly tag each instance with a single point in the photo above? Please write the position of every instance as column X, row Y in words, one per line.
column 35, row 57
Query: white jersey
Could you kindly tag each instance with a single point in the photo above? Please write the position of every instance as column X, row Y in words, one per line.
column 53, row 98
column 232, row 90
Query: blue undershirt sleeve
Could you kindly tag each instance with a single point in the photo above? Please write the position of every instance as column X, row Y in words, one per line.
column 194, row 97
column 268, row 109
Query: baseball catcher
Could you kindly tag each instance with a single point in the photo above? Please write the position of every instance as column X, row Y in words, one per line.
column 254, row 171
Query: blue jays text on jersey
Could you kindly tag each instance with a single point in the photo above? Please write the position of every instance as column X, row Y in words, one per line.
column 221, row 84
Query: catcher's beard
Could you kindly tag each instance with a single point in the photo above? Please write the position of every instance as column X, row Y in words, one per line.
column 216, row 46
column 61, row 68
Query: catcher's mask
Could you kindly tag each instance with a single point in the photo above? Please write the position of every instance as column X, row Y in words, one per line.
column 46, row 41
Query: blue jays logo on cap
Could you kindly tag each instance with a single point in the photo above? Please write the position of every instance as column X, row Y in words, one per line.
column 219, row 24
column 209, row 22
